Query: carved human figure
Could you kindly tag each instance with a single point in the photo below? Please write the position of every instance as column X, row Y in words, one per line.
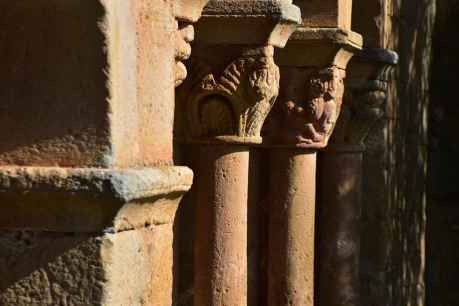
column 306, row 112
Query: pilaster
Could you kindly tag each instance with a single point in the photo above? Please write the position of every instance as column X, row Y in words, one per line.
column 88, row 189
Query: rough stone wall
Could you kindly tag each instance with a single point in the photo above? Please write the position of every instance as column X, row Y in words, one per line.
column 412, row 23
column 45, row 268
column 443, row 171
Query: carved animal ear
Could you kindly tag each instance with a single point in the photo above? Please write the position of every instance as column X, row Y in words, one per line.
column 230, row 80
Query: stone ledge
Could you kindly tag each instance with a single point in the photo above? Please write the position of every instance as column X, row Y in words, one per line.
column 325, row 47
column 89, row 200
column 372, row 64
column 248, row 22
column 274, row 9
column 332, row 35
column 385, row 56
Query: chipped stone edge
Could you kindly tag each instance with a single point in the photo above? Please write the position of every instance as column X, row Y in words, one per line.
column 124, row 185
column 282, row 15
column 273, row 9
column 332, row 35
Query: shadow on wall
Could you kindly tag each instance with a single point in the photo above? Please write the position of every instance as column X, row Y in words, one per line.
column 412, row 27
column 44, row 268
column 52, row 66
column 443, row 179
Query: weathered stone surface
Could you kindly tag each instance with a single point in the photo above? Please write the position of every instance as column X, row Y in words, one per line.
column 326, row 13
column 91, row 88
column 326, row 47
column 270, row 22
column 312, row 87
column 341, row 262
column 221, row 226
column 87, row 112
column 232, row 86
column 307, row 109
column 339, row 211
column 231, row 106
column 128, row 268
column 59, row 199
column 189, row 10
column 291, row 227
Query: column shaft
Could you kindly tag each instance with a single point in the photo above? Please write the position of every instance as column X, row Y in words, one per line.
column 339, row 210
column 221, row 226
column 291, row 227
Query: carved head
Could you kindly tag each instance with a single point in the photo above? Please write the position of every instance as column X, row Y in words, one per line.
column 307, row 109
column 186, row 13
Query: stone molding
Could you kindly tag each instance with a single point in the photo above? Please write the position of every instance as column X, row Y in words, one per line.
column 249, row 22
column 57, row 199
column 320, row 47
column 231, row 106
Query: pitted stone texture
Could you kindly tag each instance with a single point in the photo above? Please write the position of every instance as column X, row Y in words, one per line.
column 128, row 268
column 326, row 13
column 307, row 109
column 291, row 227
column 220, row 250
column 86, row 94
column 231, row 105
column 249, row 22
column 186, row 12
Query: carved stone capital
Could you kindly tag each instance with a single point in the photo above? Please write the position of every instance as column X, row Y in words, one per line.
column 231, row 105
column 366, row 95
column 233, row 79
column 186, row 13
column 306, row 111
column 362, row 108
column 313, row 67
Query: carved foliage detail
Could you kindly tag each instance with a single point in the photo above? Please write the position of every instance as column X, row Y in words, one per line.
column 233, row 105
column 307, row 109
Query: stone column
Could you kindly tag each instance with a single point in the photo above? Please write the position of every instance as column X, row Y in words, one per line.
column 88, row 190
column 340, row 172
column 312, row 66
column 233, row 86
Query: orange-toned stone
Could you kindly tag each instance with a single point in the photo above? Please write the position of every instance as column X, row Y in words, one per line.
column 326, row 13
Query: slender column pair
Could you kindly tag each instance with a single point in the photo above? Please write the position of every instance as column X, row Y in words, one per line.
column 233, row 84
column 313, row 68
column 340, row 173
